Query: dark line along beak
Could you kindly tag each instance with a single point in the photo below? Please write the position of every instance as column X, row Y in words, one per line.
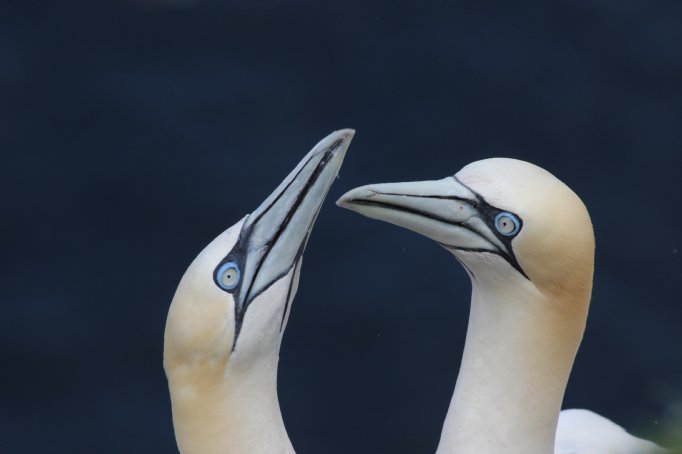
column 446, row 210
column 274, row 236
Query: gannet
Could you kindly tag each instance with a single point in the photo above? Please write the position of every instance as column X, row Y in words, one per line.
column 526, row 242
column 226, row 320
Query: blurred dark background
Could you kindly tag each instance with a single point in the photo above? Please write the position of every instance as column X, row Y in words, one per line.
column 132, row 133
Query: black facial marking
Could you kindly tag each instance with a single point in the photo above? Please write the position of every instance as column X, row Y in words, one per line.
column 487, row 212
column 243, row 294
column 286, row 304
column 464, row 265
column 299, row 199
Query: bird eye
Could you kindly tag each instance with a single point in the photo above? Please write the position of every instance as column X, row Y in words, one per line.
column 507, row 224
column 228, row 275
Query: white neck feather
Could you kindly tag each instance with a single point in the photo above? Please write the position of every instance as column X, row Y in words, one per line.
column 229, row 412
column 518, row 354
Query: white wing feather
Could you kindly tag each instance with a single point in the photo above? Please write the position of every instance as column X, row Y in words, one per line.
column 585, row 432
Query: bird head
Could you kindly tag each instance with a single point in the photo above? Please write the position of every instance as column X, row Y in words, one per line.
column 504, row 219
column 231, row 306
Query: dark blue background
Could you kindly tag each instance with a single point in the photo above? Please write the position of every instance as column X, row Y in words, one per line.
column 132, row 133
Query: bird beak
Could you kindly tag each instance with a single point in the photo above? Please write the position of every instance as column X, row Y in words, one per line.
column 444, row 210
column 274, row 236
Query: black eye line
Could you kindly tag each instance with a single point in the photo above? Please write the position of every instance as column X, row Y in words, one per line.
column 238, row 253
column 482, row 207
column 511, row 259
column 489, row 213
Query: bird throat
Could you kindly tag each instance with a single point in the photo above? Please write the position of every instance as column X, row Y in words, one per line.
column 517, row 358
column 217, row 410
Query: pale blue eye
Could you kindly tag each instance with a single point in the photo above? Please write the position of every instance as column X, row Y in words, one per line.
column 228, row 275
column 507, row 224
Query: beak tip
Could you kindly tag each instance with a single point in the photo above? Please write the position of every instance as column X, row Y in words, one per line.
column 345, row 199
column 346, row 133
column 357, row 194
column 338, row 142
column 342, row 136
column 342, row 202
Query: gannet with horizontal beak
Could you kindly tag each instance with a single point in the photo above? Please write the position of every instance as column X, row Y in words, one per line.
column 226, row 320
column 526, row 241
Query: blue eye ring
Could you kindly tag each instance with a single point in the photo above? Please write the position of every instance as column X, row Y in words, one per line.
column 503, row 226
column 225, row 280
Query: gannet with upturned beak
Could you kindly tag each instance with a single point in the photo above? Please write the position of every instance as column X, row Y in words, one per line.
column 226, row 320
column 526, row 241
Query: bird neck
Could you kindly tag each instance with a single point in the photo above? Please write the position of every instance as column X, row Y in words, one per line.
column 218, row 409
column 519, row 350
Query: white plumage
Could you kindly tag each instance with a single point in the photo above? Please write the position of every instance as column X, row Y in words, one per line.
column 526, row 241
column 585, row 432
column 228, row 315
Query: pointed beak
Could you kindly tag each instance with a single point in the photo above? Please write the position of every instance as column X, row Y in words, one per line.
column 444, row 210
column 274, row 236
